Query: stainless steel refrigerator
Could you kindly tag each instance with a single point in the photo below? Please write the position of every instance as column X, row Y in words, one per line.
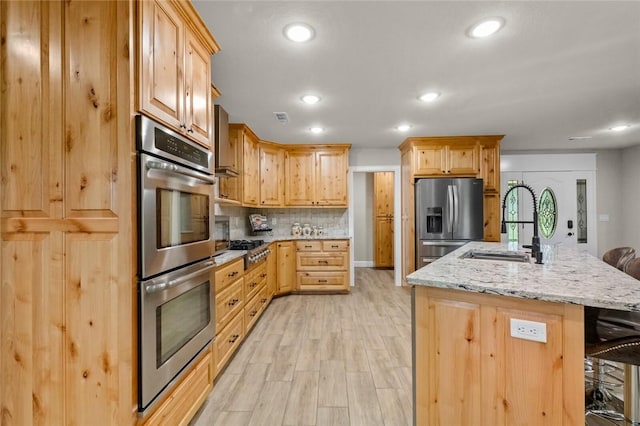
column 449, row 213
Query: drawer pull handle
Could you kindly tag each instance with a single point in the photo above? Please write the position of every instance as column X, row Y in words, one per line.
column 234, row 338
column 263, row 300
column 322, row 281
column 232, row 274
column 253, row 313
column 308, row 246
column 263, row 275
column 233, row 302
column 323, row 261
column 253, row 284
column 334, row 246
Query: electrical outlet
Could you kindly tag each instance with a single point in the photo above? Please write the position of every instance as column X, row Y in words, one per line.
column 529, row 330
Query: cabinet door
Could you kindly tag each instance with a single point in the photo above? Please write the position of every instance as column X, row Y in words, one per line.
column 430, row 160
column 197, row 90
column 250, row 171
column 161, row 47
column 230, row 187
column 286, row 274
column 331, row 178
column 299, row 169
column 271, row 176
column 463, row 159
column 272, row 270
column 383, row 242
column 492, row 219
column 383, row 193
column 490, row 168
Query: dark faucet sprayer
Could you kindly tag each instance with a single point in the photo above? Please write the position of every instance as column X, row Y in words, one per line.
column 535, row 241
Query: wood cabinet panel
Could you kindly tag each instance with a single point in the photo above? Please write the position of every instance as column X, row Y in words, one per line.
column 430, row 160
column 312, row 261
column 383, row 194
column 250, row 170
column 254, row 308
column 323, row 281
column 331, row 178
column 322, row 265
column 272, row 268
column 286, row 270
column 469, row 370
column 309, row 245
column 271, row 175
column 185, row 400
column 228, row 340
column 197, row 90
column 229, row 302
column 490, row 167
column 299, row 178
column 492, row 216
column 335, row 245
column 254, row 280
column 383, row 245
column 230, row 188
column 228, row 273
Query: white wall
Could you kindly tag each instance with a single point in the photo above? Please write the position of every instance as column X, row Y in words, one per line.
column 362, row 217
column 374, row 157
column 609, row 199
column 630, row 194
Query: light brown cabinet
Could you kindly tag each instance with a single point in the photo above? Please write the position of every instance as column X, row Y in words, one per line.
column 322, row 265
column 272, row 268
column 316, row 176
column 470, row 370
column 175, row 68
column 286, row 268
column 449, row 156
column 271, row 174
column 383, row 219
column 230, row 188
column 250, row 165
column 447, row 159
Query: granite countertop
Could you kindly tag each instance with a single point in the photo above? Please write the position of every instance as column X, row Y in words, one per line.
column 567, row 276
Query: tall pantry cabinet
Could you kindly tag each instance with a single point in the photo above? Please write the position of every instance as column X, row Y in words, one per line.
column 67, row 298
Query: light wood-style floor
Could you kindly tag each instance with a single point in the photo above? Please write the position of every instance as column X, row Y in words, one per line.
column 322, row 360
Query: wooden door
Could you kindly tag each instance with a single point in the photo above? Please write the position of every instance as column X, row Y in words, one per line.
column 161, row 84
column 250, row 171
column 463, row 159
column 271, row 175
column 430, row 160
column 68, row 239
column 331, row 178
column 383, row 219
column 299, row 169
column 197, row 90
column 286, row 271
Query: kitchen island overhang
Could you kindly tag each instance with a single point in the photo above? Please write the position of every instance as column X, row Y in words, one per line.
column 469, row 369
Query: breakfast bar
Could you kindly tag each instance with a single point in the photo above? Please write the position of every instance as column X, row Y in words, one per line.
column 499, row 340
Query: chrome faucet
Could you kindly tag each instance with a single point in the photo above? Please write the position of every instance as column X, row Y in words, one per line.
column 535, row 241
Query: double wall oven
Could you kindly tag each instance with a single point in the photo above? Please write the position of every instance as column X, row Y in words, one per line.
column 176, row 241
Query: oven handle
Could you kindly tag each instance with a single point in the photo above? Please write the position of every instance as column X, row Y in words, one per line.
column 161, row 165
column 152, row 288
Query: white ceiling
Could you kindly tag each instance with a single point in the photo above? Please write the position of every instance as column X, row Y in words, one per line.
column 556, row 70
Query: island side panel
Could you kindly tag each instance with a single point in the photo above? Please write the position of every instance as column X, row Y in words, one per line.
column 469, row 369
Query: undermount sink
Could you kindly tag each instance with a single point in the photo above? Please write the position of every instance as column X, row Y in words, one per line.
column 505, row 256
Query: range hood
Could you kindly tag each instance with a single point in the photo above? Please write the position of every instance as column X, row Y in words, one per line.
column 224, row 153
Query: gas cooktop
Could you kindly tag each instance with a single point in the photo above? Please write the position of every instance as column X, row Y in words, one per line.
column 245, row 244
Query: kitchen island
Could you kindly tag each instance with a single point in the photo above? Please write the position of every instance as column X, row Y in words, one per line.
column 470, row 369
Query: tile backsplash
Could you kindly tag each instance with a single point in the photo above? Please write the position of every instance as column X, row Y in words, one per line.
column 334, row 221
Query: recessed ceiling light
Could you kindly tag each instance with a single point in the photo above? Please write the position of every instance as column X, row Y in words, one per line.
column 429, row 96
column 299, row 32
column 316, row 130
column 487, row 27
column 620, row 128
column 403, row 127
column 310, row 99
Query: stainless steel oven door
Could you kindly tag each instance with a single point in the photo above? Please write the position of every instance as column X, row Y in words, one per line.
column 176, row 216
column 177, row 320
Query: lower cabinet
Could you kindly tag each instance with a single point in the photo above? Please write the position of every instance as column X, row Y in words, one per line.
column 322, row 265
column 228, row 340
column 286, row 267
column 189, row 394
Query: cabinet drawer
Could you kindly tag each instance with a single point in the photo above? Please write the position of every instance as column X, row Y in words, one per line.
column 323, row 281
column 228, row 303
column 253, row 283
column 186, row 398
column 228, row 273
column 254, row 308
column 308, row 245
column 228, row 340
column 335, row 245
column 325, row 261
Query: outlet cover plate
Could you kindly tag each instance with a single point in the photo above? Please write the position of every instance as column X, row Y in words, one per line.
column 529, row 330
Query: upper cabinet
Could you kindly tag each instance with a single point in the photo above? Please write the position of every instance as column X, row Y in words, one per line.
column 447, row 159
column 250, row 168
column 316, row 176
column 271, row 174
column 174, row 84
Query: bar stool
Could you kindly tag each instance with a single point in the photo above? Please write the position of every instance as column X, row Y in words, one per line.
column 619, row 256
column 617, row 338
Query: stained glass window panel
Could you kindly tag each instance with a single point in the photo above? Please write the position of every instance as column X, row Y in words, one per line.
column 512, row 212
column 547, row 213
column 581, row 191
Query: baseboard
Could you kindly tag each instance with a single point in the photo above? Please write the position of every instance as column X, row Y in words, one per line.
column 363, row 263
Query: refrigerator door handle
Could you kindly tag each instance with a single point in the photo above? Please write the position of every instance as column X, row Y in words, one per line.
column 450, row 208
column 456, row 209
